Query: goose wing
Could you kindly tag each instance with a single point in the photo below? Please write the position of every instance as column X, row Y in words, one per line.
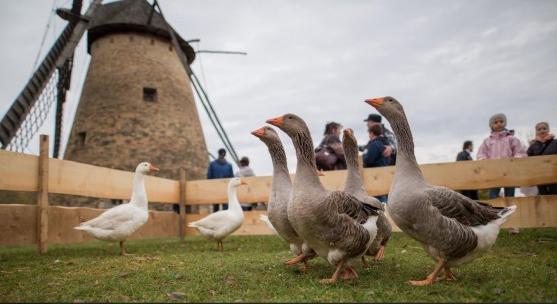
column 213, row 221
column 349, row 205
column 110, row 219
column 461, row 208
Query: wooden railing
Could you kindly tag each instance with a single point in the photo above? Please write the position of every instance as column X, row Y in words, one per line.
column 20, row 172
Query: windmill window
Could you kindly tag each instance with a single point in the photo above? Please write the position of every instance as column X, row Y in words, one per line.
column 81, row 137
column 149, row 94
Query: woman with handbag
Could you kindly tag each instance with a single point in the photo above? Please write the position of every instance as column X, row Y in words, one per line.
column 329, row 155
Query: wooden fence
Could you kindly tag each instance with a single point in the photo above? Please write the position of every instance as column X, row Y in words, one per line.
column 27, row 224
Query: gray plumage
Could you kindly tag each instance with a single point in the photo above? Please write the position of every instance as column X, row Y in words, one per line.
column 450, row 226
column 354, row 185
column 281, row 189
column 335, row 224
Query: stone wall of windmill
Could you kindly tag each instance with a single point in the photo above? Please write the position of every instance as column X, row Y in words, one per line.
column 137, row 105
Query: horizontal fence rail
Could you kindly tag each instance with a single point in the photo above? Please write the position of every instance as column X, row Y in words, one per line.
column 18, row 221
column 20, row 173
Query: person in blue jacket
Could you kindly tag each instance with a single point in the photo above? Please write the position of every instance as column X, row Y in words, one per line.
column 374, row 156
column 220, row 168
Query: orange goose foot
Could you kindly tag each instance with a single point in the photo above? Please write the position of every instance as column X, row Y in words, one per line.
column 349, row 274
column 296, row 260
column 335, row 276
column 380, row 254
column 432, row 276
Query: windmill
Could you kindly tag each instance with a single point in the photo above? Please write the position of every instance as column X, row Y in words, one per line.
column 137, row 100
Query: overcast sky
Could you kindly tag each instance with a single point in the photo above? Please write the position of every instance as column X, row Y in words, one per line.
column 452, row 64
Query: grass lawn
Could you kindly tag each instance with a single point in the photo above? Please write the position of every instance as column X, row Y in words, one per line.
column 519, row 268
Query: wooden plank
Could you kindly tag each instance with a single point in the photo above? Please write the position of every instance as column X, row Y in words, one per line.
column 457, row 175
column 18, row 224
column 19, row 171
column 42, row 196
column 182, row 215
column 18, row 221
column 68, row 177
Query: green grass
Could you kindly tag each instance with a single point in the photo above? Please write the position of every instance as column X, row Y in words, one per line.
column 519, row 268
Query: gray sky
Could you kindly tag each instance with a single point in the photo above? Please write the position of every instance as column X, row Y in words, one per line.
column 452, row 64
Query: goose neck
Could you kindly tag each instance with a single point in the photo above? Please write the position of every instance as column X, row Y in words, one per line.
column 139, row 194
column 406, row 164
column 233, row 203
column 306, row 170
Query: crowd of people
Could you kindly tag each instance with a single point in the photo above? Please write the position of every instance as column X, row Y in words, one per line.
column 381, row 150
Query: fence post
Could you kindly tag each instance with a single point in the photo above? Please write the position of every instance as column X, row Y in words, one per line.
column 182, row 214
column 42, row 195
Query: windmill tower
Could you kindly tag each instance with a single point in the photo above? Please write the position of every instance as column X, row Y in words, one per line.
column 137, row 102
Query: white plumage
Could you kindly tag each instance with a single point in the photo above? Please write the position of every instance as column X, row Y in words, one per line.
column 265, row 219
column 220, row 224
column 118, row 223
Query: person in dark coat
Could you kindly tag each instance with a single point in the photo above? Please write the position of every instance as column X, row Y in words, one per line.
column 374, row 156
column 543, row 144
column 220, row 168
column 331, row 144
column 388, row 137
column 467, row 148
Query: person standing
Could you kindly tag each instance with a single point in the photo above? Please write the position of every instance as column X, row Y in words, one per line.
column 500, row 144
column 374, row 156
column 329, row 155
column 220, row 168
column 543, row 144
column 245, row 171
column 463, row 155
column 388, row 137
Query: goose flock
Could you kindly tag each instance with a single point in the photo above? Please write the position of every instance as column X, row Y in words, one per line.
column 342, row 227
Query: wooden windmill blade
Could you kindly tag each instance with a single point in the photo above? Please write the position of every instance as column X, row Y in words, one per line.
column 26, row 114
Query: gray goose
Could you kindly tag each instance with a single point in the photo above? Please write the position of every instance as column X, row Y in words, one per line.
column 281, row 189
column 452, row 228
column 336, row 225
column 354, row 185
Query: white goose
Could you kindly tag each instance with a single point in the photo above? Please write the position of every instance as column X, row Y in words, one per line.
column 219, row 225
column 118, row 223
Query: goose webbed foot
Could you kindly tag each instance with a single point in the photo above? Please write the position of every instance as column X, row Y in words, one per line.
column 298, row 259
column 449, row 276
column 335, row 276
column 349, row 274
column 431, row 278
column 380, row 254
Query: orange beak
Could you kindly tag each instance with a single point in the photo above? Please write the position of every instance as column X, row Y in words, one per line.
column 277, row 121
column 259, row 132
column 153, row 168
column 375, row 102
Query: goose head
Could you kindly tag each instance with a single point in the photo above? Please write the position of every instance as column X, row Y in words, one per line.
column 235, row 182
column 348, row 137
column 388, row 106
column 266, row 134
column 145, row 168
column 290, row 123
